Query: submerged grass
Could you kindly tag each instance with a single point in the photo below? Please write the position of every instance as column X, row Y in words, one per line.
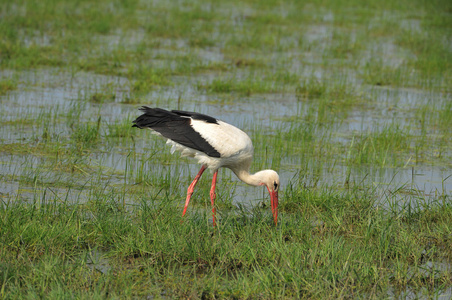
column 7, row 85
column 252, row 84
column 380, row 146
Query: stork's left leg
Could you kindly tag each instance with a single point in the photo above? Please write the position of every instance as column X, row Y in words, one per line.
column 191, row 188
column 213, row 195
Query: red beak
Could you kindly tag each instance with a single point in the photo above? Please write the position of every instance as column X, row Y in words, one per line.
column 274, row 204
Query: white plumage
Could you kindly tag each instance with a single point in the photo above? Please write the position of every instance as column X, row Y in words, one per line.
column 234, row 145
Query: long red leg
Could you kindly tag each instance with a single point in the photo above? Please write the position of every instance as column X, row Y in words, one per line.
column 213, row 195
column 192, row 187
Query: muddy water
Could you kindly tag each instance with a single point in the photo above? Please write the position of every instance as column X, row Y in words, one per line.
column 57, row 93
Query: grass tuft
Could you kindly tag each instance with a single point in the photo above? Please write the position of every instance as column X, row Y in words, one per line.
column 7, row 86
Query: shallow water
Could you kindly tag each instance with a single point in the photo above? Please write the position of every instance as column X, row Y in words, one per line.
column 427, row 269
column 55, row 92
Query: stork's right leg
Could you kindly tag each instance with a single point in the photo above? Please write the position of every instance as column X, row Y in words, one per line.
column 213, row 195
column 192, row 187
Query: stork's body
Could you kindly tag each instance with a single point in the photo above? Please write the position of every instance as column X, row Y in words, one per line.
column 214, row 144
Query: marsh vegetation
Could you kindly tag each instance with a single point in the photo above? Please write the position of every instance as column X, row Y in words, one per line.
column 350, row 101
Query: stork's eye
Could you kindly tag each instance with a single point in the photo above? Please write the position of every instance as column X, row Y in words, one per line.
column 275, row 185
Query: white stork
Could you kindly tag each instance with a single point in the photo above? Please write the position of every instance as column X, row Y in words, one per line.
column 214, row 144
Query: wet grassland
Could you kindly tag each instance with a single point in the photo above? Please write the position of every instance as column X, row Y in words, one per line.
column 349, row 101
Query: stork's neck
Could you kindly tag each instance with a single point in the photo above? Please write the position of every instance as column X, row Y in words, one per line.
column 251, row 179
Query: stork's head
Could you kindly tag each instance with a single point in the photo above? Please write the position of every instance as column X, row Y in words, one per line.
column 271, row 180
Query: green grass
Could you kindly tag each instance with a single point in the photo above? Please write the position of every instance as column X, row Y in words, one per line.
column 7, row 85
column 379, row 148
column 335, row 96
column 328, row 243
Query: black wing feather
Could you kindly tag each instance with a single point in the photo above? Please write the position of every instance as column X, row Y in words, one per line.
column 176, row 126
column 196, row 116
